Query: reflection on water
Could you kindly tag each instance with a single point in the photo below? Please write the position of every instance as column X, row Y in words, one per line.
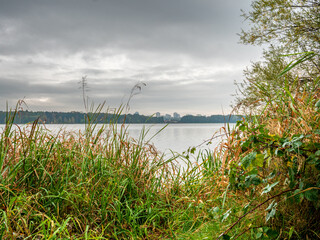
column 175, row 137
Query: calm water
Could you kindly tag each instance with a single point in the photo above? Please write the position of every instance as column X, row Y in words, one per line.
column 177, row 137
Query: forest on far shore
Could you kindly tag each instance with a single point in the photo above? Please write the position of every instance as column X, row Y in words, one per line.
column 79, row 117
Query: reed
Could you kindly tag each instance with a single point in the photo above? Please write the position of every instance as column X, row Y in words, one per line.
column 261, row 182
column 96, row 184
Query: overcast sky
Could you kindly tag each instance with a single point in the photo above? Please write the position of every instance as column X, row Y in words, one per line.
column 185, row 51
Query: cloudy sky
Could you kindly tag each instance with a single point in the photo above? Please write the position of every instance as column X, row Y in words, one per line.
column 185, row 51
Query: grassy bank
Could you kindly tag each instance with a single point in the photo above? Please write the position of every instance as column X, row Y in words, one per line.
column 262, row 182
column 99, row 184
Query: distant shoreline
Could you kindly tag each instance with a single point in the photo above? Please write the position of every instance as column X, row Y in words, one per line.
column 23, row 117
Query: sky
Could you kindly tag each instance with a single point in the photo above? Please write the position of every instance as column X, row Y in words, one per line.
column 183, row 54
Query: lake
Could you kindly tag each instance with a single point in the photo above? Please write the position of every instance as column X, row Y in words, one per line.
column 175, row 137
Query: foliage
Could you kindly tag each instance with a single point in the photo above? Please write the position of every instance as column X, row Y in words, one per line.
column 292, row 24
column 261, row 182
column 262, row 76
column 272, row 157
column 100, row 184
column 290, row 29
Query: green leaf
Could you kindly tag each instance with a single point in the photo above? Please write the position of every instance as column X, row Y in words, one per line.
column 259, row 235
column 305, row 57
column 291, row 232
column 214, row 212
column 192, row 150
column 315, row 159
column 259, row 160
column 311, row 195
column 269, row 188
column 215, row 209
column 226, row 237
column 226, row 215
column 246, row 207
column 297, row 196
column 272, row 234
column 247, row 160
column 242, row 128
column 271, row 214
column 245, row 145
column 301, row 185
column 272, row 174
column 292, row 176
column 252, row 179
column 271, row 205
column 279, row 153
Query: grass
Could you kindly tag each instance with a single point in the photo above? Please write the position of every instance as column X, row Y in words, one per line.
column 272, row 158
column 99, row 184
column 261, row 182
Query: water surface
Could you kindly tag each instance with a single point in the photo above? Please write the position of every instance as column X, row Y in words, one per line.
column 175, row 137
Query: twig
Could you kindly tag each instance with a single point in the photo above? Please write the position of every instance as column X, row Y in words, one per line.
column 209, row 140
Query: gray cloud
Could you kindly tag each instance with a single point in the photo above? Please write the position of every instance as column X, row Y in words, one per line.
column 185, row 50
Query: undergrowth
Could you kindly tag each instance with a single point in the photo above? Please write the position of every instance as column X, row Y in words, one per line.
column 98, row 184
column 272, row 162
column 261, row 182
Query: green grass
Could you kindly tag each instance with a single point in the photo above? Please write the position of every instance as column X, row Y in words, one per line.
column 261, row 182
column 99, row 184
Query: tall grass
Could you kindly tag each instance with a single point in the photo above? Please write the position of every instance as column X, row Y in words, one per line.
column 96, row 184
column 272, row 160
column 267, row 177
column 261, row 182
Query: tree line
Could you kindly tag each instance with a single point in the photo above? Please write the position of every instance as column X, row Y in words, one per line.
column 79, row 118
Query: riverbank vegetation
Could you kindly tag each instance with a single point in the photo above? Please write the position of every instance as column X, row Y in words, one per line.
column 261, row 182
column 100, row 184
